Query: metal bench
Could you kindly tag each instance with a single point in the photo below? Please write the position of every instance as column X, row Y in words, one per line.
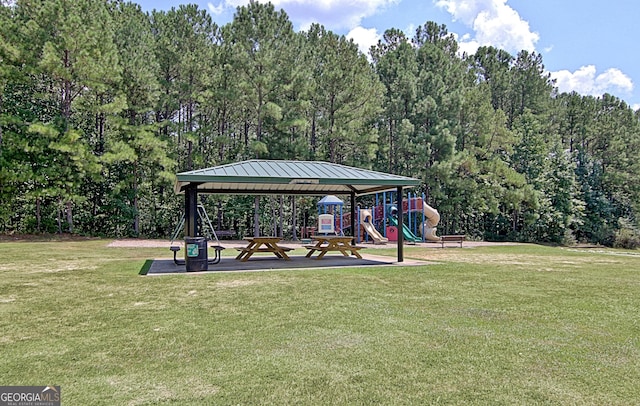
column 218, row 255
column 217, row 248
column 225, row 233
column 452, row 238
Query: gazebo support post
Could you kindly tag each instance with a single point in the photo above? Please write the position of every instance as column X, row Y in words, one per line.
column 191, row 211
column 353, row 218
column 400, row 225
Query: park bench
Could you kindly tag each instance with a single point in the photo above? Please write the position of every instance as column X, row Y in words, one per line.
column 226, row 233
column 452, row 238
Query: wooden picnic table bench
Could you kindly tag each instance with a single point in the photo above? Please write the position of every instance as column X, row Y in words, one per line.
column 262, row 244
column 330, row 243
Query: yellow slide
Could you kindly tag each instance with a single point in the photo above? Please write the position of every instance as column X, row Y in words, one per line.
column 367, row 224
column 428, row 228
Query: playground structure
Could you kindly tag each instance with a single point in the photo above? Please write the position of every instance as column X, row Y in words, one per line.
column 328, row 222
column 367, row 225
column 432, row 218
column 206, row 227
column 422, row 220
column 411, row 206
column 380, row 223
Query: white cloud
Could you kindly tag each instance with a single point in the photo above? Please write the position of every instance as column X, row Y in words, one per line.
column 235, row 3
column 410, row 31
column 466, row 44
column 493, row 22
column 333, row 14
column 364, row 37
column 585, row 81
column 217, row 10
column 463, row 10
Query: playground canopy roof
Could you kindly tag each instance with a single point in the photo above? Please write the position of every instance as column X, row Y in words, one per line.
column 330, row 200
column 289, row 178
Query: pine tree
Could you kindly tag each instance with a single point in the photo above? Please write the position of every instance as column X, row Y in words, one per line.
column 346, row 100
column 394, row 60
column 260, row 39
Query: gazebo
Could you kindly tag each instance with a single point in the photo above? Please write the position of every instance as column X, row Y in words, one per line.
column 282, row 177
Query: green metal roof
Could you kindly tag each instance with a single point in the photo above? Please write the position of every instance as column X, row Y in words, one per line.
column 290, row 178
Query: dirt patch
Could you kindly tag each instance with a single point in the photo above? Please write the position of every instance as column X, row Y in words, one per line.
column 236, row 283
column 44, row 237
column 136, row 242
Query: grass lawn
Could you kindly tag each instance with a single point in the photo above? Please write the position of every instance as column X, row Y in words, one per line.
column 487, row 326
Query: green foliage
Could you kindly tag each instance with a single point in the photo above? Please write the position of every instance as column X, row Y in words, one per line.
column 345, row 100
column 627, row 236
column 101, row 103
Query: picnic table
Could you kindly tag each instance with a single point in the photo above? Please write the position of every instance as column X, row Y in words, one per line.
column 330, row 243
column 262, row 244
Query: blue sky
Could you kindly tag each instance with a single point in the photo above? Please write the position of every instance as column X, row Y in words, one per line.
column 588, row 46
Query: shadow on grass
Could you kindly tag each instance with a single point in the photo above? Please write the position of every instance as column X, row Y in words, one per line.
column 146, row 267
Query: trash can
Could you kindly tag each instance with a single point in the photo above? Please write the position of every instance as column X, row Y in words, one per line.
column 195, row 255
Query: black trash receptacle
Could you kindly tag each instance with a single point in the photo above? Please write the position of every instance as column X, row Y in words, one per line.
column 195, row 255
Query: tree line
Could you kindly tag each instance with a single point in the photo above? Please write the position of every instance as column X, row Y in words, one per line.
column 101, row 104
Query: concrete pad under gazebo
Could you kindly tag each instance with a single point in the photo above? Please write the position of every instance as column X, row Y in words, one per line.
column 269, row 263
column 282, row 177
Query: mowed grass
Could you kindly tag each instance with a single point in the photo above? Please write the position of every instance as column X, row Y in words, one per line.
column 480, row 326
